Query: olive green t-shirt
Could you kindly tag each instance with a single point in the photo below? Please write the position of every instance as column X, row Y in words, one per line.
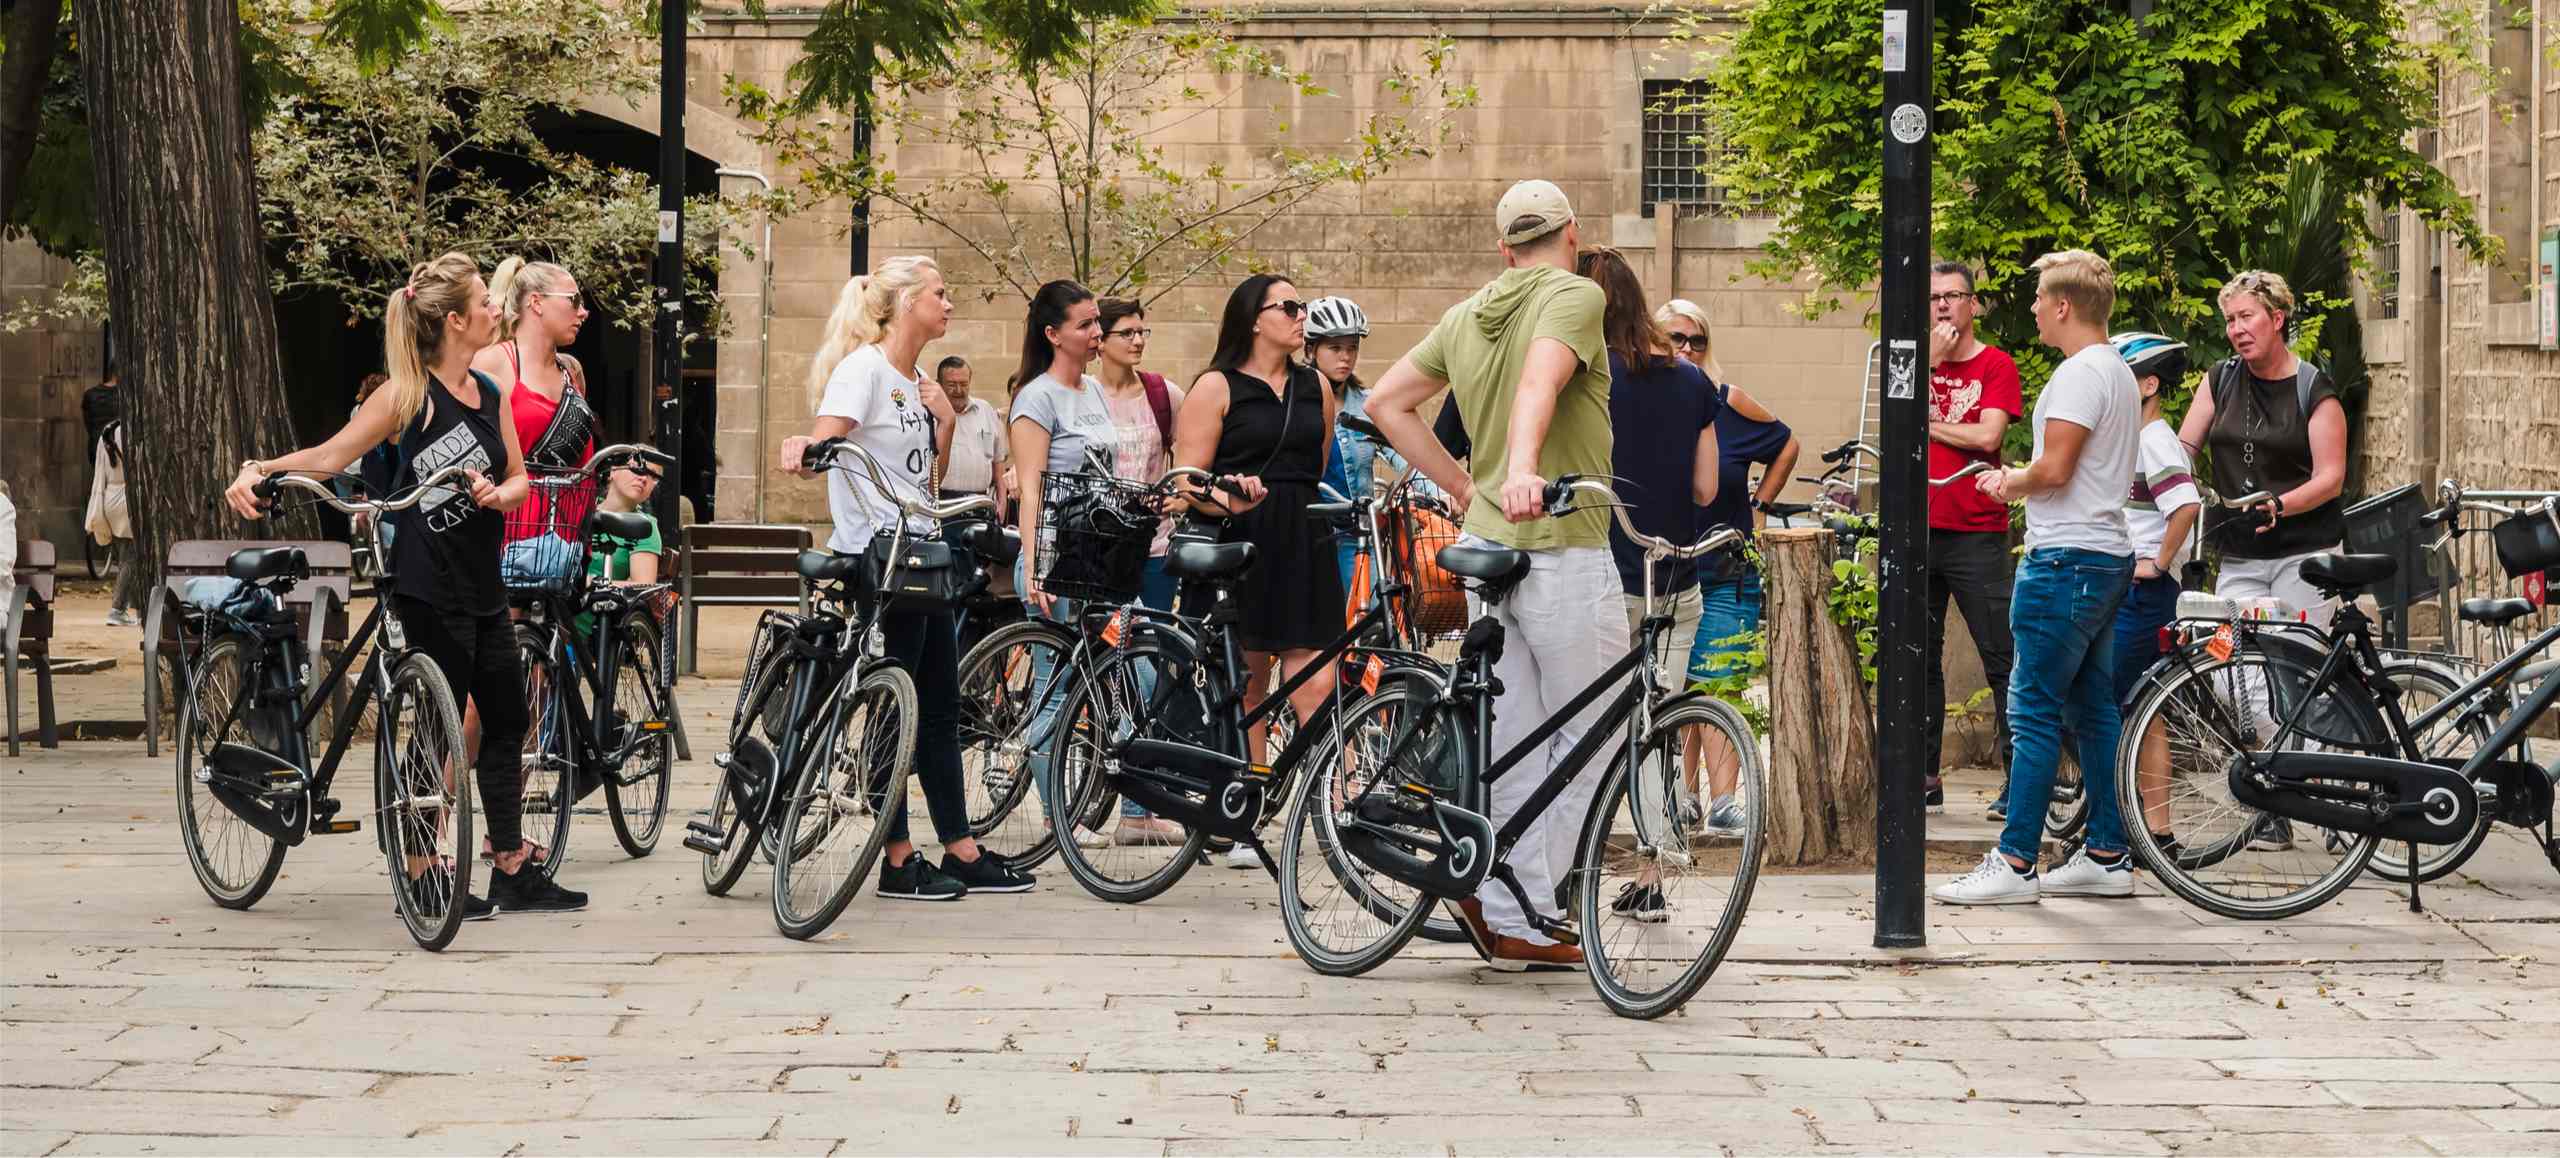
column 1479, row 348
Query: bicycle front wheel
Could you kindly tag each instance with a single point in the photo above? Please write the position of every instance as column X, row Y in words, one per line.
column 636, row 796
column 852, row 780
column 234, row 861
column 1661, row 889
column 549, row 794
column 1011, row 687
column 1137, row 688
column 422, row 802
column 1343, row 917
column 2181, row 737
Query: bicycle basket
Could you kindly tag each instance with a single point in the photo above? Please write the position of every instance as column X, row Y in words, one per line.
column 1094, row 535
column 1435, row 603
column 545, row 554
column 2528, row 542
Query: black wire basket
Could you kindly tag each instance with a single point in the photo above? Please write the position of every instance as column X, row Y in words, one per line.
column 1094, row 535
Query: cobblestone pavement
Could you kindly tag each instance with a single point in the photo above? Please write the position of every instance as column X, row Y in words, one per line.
column 138, row 1017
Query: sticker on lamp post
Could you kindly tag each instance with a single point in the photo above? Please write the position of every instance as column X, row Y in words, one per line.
column 1902, row 369
column 1909, row 124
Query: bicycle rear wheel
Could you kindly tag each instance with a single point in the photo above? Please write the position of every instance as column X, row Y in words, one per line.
column 549, row 794
column 2180, row 817
column 422, row 802
column 234, row 861
column 636, row 796
column 1006, row 681
column 1138, row 688
column 2457, row 736
column 1660, row 895
column 851, row 782
column 1343, row 917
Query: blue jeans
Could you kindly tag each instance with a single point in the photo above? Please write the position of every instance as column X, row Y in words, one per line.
column 1156, row 588
column 2062, row 615
column 1155, row 591
column 1726, row 608
column 2148, row 607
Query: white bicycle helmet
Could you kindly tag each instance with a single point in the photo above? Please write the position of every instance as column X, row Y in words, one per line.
column 1336, row 317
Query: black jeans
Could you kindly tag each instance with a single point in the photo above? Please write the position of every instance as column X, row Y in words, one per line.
column 927, row 647
column 477, row 654
column 1974, row 567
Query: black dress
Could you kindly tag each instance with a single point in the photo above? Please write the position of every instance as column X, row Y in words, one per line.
column 1292, row 597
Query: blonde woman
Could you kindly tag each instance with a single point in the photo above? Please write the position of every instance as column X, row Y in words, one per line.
column 541, row 310
column 873, row 394
column 444, row 562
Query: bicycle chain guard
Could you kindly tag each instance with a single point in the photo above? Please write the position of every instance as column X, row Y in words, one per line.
column 2424, row 803
column 259, row 787
column 1449, row 863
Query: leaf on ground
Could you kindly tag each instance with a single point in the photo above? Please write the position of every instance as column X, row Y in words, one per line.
column 1271, row 1043
column 568, row 1057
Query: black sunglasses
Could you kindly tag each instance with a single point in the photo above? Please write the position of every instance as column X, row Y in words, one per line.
column 1688, row 342
column 1291, row 307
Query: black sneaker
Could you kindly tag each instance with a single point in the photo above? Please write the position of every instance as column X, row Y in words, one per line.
column 434, row 886
column 1639, row 902
column 529, row 892
column 1936, row 801
column 918, row 880
column 987, row 874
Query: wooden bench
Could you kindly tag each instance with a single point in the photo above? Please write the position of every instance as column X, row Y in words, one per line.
column 29, row 607
column 319, row 604
column 737, row 564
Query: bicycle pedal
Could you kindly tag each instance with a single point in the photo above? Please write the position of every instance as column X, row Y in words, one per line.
column 653, row 726
column 705, row 839
column 336, row 827
column 1257, row 772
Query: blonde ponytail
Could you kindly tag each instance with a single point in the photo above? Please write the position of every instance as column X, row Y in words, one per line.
column 517, row 281
column 413, row 326
column 864, row 309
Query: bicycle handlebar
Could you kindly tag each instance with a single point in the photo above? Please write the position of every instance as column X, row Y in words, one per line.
column 1853, row 446
column 1559, row 501
column 266, row 490
column 1969, row 470
column 825, row 455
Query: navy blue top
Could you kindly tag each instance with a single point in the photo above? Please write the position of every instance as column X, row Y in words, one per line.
column 1741, row 443
column 1657, row 413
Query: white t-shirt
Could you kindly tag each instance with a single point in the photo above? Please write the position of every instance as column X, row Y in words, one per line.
column 889, row 420
column 2095, row 390
column 2163, row 483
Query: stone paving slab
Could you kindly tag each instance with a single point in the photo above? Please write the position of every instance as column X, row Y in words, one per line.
column 136, row 1017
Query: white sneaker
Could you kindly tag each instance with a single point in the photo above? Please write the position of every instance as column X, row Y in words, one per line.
column 1242, row 856
column 1992, row 882
column 121, row 619
column 2082, row 876
column 1088, row 838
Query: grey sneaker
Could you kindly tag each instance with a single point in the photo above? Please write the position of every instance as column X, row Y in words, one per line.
column 1726, row 819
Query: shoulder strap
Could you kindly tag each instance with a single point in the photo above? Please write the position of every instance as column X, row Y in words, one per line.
column 1160, row 400
column 2305, row 375
column 2219, row 381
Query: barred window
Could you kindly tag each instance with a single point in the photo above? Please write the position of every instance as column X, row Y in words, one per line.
column 2386, row 264
column 1679, row 150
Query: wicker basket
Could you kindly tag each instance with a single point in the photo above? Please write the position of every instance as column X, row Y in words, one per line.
column 1435, row 602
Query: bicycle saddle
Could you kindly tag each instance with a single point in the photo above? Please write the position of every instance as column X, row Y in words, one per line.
column 2338, row 573
column 1485, row 564
column 1198, row 560
column 826, row 567
column 252, row 564
column 630, row 526
column 2495, row 612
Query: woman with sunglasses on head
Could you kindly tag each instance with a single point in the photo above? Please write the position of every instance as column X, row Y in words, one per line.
column 1260, row 416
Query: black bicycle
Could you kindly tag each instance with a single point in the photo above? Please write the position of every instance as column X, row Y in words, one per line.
column 824, row 737
column 1406, row 813
column 2283, row 758
column 248, row 788
column 592, row 652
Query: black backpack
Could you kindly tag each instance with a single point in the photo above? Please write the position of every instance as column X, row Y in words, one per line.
column 2228, row 371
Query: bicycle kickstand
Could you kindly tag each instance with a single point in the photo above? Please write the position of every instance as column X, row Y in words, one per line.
column 2414, row 905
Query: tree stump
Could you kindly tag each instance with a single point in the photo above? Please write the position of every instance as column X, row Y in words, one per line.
column 1822, row 781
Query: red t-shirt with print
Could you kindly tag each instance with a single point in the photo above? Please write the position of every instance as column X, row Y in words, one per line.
column 1960, row 392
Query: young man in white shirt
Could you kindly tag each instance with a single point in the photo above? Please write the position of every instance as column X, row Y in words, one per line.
column 2079, row 562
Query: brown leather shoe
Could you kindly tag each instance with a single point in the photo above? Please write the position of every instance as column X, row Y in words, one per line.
column 1513, row 955
column 1471, row 922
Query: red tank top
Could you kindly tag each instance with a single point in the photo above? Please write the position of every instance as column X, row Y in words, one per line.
column 548, row 510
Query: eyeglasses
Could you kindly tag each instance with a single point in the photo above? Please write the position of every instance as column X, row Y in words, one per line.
column 1134, row 334
column 1688, row 341
column 1291, row 307
column 1950, row 296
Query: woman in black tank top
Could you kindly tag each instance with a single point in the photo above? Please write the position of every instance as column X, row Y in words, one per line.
column 444, row 561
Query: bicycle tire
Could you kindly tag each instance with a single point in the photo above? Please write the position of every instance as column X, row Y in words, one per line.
column 2435, row 862
column 1388, row 922
column 1592, row 860
column 253, row 871
column 422, row 735
column 744, row 826
column 999, row 756
column 883, row 758
column 1072, row 793
column 548, row 800
column 2349, row 720
column 638, row 828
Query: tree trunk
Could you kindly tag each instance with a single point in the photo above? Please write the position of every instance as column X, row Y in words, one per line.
column 34, row 31
column 195, row 324
column 1822, row 789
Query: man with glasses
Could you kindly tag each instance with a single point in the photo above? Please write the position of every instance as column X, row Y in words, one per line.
column 1973, row 393
column 978, row 453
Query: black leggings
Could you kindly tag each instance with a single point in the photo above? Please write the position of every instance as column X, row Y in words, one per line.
column 927, row 647
column 477, row 654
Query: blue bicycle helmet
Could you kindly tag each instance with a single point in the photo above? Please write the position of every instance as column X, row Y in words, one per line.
column 2152, row 355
